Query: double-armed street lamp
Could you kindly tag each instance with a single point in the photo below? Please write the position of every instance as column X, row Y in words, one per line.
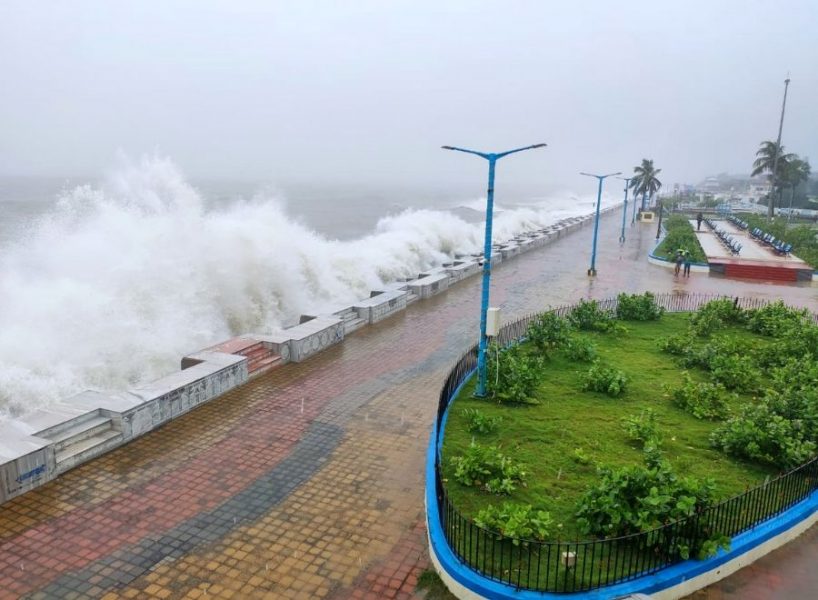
column 592, row 270
column 492, row 157
column 625, row 209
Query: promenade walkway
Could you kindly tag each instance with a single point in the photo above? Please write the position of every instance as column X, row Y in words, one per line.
column 308, row 481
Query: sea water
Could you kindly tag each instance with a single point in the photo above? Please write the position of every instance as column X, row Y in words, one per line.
column 106, row 284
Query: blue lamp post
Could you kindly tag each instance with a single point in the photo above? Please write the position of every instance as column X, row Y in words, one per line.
column 625, row 209
column 484, row 306
column 592, row 270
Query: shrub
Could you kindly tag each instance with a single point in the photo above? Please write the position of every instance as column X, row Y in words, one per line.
column 636, row 307
column 733, row 371
column 715, row 315
column 702, row 400
column 478, row 422
column 640, row 498
column 488, row 468
column 589, row 317
column 607, row 380
column 548, row 331
column 517, row 521
column 777, row 319
column 679, row 345
column 759, row 433
column 580, row 349
column 642, row 428
column 512, row 374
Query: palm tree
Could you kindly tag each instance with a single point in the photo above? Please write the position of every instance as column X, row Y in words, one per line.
column 794, row 173
column 644, row 181
column 764, row 163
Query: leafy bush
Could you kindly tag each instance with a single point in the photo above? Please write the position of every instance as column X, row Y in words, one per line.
column 734, row 371
column 607, row 380
column 517, row 521
column 640, row 498
column 726, row 309
column 638, row 307
column 715, row 315
column 759, row 433
column 642, row 428
column 777, row 319
column 580, row 349
column 548, row 331
column 589, row 317
column 680, row 344
column 478, row 422
column 702, row 400
column 513, row 375
column 703, row 324
column 488, row 468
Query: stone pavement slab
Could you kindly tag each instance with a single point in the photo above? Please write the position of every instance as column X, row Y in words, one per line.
column 306, row 482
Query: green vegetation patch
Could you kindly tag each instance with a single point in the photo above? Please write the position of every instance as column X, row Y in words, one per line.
column 680, row 234
column 689, row 409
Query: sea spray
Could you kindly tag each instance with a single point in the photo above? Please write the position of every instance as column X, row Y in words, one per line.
column 120, row 281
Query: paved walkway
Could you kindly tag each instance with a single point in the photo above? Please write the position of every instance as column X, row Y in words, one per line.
column 751, row 250
column 308, row 481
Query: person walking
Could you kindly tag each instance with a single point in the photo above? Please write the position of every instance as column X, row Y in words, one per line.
column 687, row 263
column 699, row 219
column 679, row 261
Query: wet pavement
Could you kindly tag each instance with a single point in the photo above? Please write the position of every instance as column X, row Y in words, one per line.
column 308, row 481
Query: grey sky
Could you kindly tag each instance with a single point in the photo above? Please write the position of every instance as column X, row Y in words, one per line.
column 367, row 91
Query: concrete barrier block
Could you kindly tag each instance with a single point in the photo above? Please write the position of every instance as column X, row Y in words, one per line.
column 26, row 461
column 430, row 285
column 313, row 336
column 381, row 306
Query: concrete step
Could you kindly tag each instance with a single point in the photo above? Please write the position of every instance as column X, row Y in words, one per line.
column 265, row 365
column 256, row 351
column 60, row 430
column 262, row 361
column 82, row 431
column 86, row 449
column 411, row 298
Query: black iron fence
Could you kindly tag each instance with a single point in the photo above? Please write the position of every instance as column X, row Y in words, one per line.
column 570, row 566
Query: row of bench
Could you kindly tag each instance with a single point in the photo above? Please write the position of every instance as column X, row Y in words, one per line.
column 768, row 239
column 743, row 225
column 726, row 239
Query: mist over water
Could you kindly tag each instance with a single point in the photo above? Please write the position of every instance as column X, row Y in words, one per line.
column 114, row 283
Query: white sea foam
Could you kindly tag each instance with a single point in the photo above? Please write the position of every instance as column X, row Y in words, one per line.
column 119, row 282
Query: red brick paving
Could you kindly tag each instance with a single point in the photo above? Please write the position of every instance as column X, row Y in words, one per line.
column 375, row 546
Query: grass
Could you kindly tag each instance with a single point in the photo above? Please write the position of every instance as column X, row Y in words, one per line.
column 546, row 435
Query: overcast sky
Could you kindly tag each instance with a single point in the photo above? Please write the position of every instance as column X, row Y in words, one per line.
column 366, row 92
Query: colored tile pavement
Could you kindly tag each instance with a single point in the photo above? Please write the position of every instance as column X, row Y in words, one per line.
column 308, row 481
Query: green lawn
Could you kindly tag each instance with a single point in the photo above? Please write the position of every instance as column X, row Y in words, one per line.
column 545, row 436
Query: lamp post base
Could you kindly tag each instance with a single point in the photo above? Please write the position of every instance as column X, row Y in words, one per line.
column 591, row 272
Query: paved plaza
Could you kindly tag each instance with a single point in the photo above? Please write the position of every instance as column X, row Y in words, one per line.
column 751, row 249
column 308, row 481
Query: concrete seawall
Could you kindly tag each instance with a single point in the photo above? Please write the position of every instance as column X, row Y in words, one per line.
column 39, row 447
